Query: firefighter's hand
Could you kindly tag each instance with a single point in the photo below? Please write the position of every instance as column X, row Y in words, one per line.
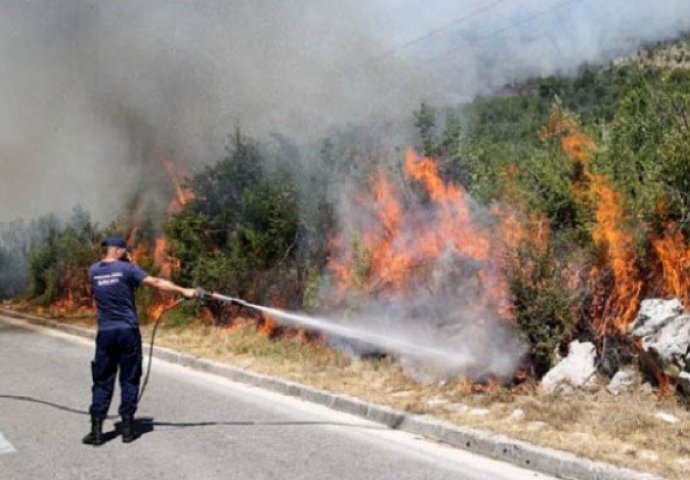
column 189, row 292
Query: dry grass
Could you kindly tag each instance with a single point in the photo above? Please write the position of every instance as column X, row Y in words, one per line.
column 622, row 430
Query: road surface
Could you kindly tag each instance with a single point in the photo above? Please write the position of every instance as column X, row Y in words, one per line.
column 196, row 426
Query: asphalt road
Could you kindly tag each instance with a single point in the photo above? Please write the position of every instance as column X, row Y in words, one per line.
column 196, row 426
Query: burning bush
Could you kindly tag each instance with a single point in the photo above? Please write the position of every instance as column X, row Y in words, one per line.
column 426, row 268
column 239, row 234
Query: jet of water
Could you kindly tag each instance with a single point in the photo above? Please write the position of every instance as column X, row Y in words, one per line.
column 384, row 342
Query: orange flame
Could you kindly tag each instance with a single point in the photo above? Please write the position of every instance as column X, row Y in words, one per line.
column 183, row 194
column 399, row 242
column 392, row 249
column 268, row 326
column 454, row 220
column 155, row 310
column 673, row 254
column 621, row 306
column 616, row 285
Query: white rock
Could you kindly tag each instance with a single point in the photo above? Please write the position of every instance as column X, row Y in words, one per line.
column 654, row 314
column 670, row 343
column 575, row 370
column 664, row 335
column 667, row 417
column 620, row 382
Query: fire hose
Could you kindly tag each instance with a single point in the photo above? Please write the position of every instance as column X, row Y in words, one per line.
column 200, row 294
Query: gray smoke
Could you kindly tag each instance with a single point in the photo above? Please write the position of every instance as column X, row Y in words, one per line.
column 93, row 94
column 424, row 269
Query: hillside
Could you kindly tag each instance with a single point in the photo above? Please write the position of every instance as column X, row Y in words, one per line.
column 670, row 54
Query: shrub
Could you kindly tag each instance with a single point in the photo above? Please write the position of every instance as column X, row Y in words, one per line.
column 542, row 304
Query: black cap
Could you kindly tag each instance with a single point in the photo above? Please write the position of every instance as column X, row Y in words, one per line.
column 114, row 241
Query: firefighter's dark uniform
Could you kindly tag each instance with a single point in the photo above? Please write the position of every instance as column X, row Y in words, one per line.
column 118, row 342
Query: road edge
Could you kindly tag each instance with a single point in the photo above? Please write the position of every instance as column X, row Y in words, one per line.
column 496, row 446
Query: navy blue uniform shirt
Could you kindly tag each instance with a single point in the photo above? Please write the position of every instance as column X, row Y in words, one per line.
column 113, row 285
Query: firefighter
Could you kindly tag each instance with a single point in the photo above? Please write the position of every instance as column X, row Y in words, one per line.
column 114, row 279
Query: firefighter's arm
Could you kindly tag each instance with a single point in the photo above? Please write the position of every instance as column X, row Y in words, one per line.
column 168, row 286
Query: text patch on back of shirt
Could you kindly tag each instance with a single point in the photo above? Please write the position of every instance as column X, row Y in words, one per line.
column 109, row 279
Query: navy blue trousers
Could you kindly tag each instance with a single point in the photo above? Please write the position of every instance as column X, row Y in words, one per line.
column 120, row 348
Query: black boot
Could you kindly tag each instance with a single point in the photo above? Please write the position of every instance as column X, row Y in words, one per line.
column 95, row 437
column 129, row 433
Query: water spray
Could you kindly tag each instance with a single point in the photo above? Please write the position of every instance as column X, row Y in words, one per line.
column 327, row 326
column 428, row 355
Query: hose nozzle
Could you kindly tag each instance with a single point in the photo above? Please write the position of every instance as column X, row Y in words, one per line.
column 206, row 295
column 203, row 294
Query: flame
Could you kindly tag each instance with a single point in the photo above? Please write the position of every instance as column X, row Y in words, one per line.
column 398, row 240
column 390, row 265
column 140, row 251
column 160, row 255
column 673, row 254
column 514, row 228
column 454, row 221
column 616, row 284
column 162, row 259
column 268, row 326
column 183, row 194
column 155, row 250
column 578, row 146
column 155, row 310
column 620, row 308
column 392, row 252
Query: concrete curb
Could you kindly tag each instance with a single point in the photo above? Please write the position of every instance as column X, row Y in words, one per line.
column 500, row 447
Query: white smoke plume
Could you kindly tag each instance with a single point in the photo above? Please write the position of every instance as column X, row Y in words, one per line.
column 92, row 92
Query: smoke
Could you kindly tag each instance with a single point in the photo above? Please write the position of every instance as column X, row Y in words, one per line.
column 417, row 261
column 92, row 93
column 484, row 45
column 451, row 336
